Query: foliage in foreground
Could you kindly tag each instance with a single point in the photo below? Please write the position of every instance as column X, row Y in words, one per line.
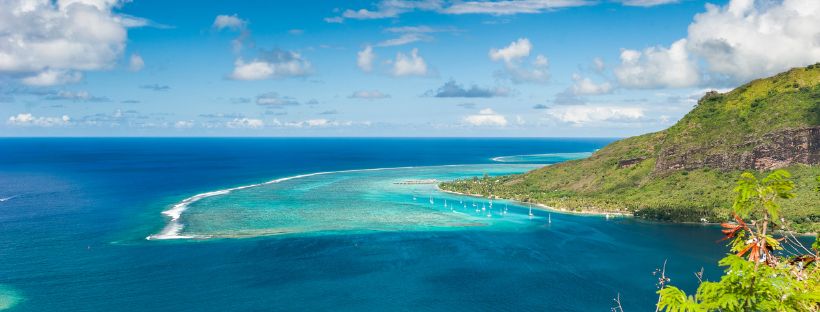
column 762, row 272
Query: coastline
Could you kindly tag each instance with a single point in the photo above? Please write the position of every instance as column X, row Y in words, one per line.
column 599, row 213
column 545, row 207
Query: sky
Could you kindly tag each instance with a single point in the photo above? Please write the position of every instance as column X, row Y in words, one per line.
column 422, row 68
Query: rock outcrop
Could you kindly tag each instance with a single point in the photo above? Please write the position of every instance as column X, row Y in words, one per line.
column 773, row 151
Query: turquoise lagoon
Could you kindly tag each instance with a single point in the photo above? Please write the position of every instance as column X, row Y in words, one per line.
column 381, row 199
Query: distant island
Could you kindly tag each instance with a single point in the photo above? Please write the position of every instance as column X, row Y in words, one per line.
column 686, row 172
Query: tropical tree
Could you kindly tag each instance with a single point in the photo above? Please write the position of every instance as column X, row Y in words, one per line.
column 762, row 272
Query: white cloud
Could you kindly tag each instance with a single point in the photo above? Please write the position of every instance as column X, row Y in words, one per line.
column 42, row 38
column 409, row 65
column 394, row 8
column 27, row 119
column 658, row 67
column 516, row 50
column 646, row 3
column 368, row 95
column 273, row 64
column 52, row 77
column 232, row 22
column 404, row 39
column 513, row 57
column 598, row 64
column 245, row 123
column 410, row 34
column 136, row 63
column 452, row 89
column 738, row 42
column 183, row 124
column 585, row 86
column 322, row 123
column 253, row 70
column 364, row 59
column 589, row 114
column 509, row 7
column 486, row 117
column 273, row 99
column 747, row 39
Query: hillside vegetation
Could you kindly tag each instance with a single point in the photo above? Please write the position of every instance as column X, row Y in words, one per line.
column 686, row 172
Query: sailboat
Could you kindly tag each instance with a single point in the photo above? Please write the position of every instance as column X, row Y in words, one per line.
column 549, row 218
column 531, row 211
column 431, row 200
column 445, row 203
column 483, row 207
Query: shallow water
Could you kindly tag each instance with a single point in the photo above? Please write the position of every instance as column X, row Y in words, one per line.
column 358, row 201
column 73, row 235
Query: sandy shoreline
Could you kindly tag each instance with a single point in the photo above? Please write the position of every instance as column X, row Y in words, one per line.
column 547, row 208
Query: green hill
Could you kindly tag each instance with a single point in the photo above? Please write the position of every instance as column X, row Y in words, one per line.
column 686, row 173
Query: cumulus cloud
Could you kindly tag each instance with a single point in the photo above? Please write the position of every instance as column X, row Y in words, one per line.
column 409, row 65
column 394, row 8
column 588, row 114
column 232, row 22
column 658, row 67
column 29, row 120
column 747, row 39
column 740, row 41
column 268, row 64
column 52, row 40
column 136, row 63
column 513, row 57
column 452, row 89
column 365, row 58
column 272, row 99
column 250, row 123
column 516, row 50
column 486, row 117
column 368, row 95
column 585, row 86
column 271, row 64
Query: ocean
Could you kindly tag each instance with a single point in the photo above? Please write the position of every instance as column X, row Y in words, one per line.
column 76, row 215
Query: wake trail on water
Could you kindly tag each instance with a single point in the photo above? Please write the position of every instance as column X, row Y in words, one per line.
column 8, row 198
column 173, row 230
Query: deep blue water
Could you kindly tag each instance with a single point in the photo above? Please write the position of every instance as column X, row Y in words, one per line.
column 72, row 235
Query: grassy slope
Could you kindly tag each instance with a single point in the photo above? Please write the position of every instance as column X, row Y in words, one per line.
column 786, row 101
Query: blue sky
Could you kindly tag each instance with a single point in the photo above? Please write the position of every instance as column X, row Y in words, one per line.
column 383, row 68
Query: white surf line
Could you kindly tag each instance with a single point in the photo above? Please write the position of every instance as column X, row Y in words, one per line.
column 501, row 158
column 173, row 229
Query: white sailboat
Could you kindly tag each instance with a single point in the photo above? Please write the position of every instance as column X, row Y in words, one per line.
column 431, row 200
column 445, row 203
column 549, row 218
column 531, row 215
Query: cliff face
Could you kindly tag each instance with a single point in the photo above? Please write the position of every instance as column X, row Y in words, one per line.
column 773, row 151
